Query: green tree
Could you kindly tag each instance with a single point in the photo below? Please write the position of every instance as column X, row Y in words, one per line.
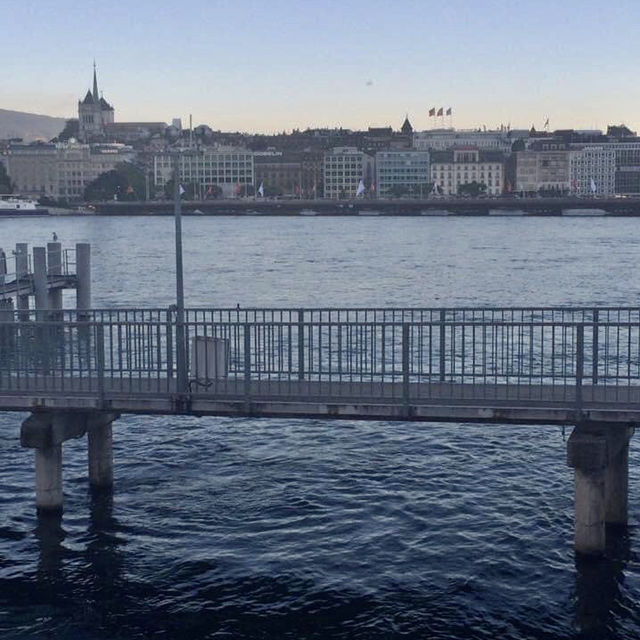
column 472, row 189
column 71, row 130
column 5, row 181
column 126, row 181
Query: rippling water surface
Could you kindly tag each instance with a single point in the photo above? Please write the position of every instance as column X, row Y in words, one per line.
column 227, row 528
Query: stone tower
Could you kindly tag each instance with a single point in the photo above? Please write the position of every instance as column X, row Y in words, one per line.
column 94, row 112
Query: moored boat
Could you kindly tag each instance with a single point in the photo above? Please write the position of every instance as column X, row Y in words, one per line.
column 11, row 205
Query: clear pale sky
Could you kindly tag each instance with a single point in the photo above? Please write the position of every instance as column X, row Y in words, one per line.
column 267, row 66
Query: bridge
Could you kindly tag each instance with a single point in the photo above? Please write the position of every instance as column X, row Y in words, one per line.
column 77, row 370
column 547, row 206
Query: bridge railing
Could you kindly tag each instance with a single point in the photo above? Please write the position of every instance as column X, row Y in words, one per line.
column 470, row 360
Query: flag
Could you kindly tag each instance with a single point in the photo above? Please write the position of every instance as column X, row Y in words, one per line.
column 449, row 111
column 181, row 189
column 593, row 186
column 575, row 184
column 432, row 112
column 440, row 111
column 372, row 188
column 261, row 190
column 360, row 189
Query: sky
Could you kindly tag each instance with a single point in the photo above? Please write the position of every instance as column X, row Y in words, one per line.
column 258, row 66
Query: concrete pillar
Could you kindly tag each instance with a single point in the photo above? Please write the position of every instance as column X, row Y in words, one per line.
column 599, row 452
column 22, row 271
column 616, row 479
column 100, row 441
column 49, row 479
column 587, row 454
column 83, row 274
column 40, row 281
column 54, row 262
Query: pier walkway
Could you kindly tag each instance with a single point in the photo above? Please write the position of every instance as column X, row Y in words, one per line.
column 77, row 370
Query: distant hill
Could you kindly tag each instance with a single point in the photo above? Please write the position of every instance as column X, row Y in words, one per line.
column 29, row 126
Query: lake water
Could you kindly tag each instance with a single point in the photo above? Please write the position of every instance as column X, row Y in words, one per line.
column 247, row 528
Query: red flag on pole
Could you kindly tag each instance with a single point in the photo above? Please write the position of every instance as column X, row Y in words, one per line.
column 440, row 111
column 432, row 112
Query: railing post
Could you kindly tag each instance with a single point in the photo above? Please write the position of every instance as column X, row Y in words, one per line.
column 442, row 341
column 169, row 344
column 247, row 362
column 579, row 365
column 594, row 375
column 300, row 344
column 405, row 365
column 99, row 336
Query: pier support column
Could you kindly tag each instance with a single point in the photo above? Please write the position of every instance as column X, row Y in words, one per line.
column 40, row 282
column 46, row 431
column 616, row 479
column 83, row 274
column 49, row 479
column 54, row 262
column 100, row 444
column 22, row 271
column 598, row 452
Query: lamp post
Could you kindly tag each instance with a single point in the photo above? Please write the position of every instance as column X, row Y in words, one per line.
column 181, row 346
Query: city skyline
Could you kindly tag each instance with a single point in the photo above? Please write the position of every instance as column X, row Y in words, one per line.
column 235, row 66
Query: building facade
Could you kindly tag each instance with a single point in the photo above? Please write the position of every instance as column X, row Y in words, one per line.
column 543, row 168
column 230, row 169
column 451, row 170
column 627, row 178
column 593, row 170
column 402, row 173
column 289, row 174
column 63, row 170
column 344, row 168
column 446, row 139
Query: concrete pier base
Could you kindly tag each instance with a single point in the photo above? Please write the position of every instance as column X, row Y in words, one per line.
column 46, row 431
column 100, row 441
column 49, row 479
column 598, row 452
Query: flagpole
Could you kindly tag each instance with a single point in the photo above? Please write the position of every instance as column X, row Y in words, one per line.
column 181, row 347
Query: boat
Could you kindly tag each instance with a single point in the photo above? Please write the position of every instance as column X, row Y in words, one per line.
column 12, row 205
column 583, row 213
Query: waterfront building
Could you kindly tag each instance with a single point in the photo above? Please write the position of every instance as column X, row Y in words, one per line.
column 229, row 169
column 62, row 170
column 446, row 139
column 94, row 113
column 402, row 173
column 593, row 170
column 465, row 165
column 543, row 168
column 344, row 168
column 289, row 173
column 627, row 177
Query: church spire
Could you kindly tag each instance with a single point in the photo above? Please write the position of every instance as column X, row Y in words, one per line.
column 96, row 96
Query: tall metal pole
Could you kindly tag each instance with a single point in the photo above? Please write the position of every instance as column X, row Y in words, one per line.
column 181, row 347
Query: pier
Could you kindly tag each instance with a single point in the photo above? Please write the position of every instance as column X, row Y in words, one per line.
column 77, row 370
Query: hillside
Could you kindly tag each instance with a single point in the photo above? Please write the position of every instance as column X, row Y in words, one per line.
column 29, row 126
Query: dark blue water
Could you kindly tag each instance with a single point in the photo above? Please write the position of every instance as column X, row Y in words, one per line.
column 227, row 528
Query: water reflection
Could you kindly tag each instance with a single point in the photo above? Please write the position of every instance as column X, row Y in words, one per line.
column 598, row 586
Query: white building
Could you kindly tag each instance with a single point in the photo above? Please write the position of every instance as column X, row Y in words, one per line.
column 446, row 139
column 344, row 168
column 451, row 169
column 63, row 170
column 229, row 168
column 593, row 170
column 402, row 173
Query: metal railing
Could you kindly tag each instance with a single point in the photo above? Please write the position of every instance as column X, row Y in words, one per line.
column 564, row 357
